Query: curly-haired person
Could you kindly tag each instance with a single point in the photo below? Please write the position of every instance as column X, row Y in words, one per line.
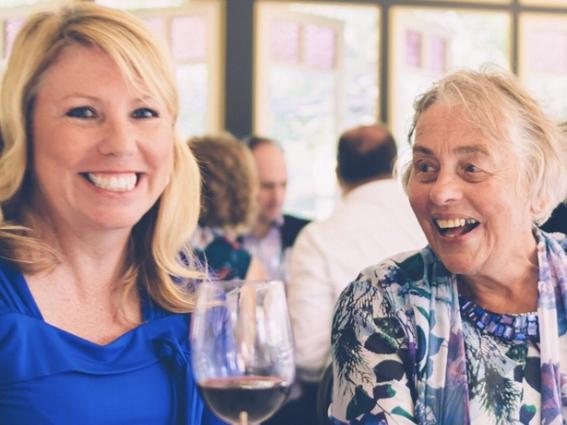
column 228, row 206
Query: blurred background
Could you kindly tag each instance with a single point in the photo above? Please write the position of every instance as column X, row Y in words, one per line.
column 304, row 71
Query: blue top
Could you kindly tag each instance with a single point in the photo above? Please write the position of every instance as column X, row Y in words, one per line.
column 50, row 376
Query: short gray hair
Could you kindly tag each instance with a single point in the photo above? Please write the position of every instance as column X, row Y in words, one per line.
column 496, row 104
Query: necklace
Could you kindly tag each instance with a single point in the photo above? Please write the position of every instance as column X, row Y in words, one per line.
column 509, row 327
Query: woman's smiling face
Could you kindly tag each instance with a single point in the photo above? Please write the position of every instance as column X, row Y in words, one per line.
column 102, row 151
column 464, row 191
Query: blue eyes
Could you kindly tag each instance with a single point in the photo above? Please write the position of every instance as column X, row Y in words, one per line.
column 471, row 168
column 427, row 171
column 81, row 112
column 424, row 168
column 87, row 112
column 144, row 113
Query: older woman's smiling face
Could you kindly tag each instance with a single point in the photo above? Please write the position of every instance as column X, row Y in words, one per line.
column 464, row 190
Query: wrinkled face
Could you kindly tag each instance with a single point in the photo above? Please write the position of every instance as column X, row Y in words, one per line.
column 272, row 174
column 102, row 152
column 464, row 191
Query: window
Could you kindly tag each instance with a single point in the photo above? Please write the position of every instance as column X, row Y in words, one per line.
column 140, row 4
column 543, row 60
column 548, row 3
column 193, row 34
column 21, row 3
column 317, row 67
column 431, row 42
column 316, row 76
column 192, row 31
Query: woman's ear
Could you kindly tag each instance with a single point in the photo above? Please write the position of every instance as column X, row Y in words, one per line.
column 538, row 205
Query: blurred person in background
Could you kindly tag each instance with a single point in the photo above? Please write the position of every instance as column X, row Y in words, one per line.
column 558, row 220
column 228, row 207
column 273, row 234
column 473, row 328
column 98, row 198
column 372, row 221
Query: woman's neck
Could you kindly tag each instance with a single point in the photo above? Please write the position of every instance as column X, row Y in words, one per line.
column 508, row 285
column 514, row 294
column 87, row 252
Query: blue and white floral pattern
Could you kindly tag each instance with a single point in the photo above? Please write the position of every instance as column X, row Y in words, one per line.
column 402, row 353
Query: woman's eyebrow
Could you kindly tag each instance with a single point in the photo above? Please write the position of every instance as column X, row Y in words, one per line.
column 480, row 149
column 76, row 95
column 422, row 150
column 475, row 149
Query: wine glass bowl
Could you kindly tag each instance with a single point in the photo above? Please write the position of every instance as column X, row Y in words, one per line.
column 242, row 348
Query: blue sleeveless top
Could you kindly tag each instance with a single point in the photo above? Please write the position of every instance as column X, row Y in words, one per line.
column 50, row 376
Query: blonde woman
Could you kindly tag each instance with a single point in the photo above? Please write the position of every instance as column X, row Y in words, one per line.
column 98, row 198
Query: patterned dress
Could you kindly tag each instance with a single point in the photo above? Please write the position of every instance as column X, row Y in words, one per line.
column 224, row 258
column 408, row 350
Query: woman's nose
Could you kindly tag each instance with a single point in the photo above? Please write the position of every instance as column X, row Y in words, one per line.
column 445, row 190
column 118, row 138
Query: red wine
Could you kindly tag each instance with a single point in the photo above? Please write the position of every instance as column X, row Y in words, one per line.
column 259, row 396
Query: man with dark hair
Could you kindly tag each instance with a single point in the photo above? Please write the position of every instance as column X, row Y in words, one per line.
column 274, row 233
column 365, row 154
column 372, row 221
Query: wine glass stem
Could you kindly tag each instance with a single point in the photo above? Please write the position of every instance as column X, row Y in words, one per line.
column 243, row 418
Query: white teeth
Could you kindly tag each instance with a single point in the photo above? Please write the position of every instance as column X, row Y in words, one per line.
column 114, row 182
column 454, row 222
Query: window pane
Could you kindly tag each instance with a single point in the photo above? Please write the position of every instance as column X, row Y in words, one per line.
column 550, row 3
column 193, row 35
column 20, row 3
column 316, row 76
column 189, row 38
column 285, row 42
column 543, row 72
column 428, row 43
column 303, row 120
column 485, row 1
column 140, row 4
column 193, row 83
column 11, row 28
column 156, row 25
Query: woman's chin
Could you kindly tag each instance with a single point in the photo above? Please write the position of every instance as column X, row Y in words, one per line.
column 459, row 264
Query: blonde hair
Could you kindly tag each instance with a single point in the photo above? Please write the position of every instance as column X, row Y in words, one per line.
column 496, row 104
column 230, row 183
column 162, row 234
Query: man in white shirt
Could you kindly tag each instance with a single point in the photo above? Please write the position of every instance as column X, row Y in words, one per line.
column 373, row 221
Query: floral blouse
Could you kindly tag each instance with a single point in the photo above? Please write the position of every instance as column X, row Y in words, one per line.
column 408, row 350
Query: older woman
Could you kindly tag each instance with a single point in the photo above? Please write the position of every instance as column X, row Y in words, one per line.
column 98, row 198
column 472, row 329
column 228, row 206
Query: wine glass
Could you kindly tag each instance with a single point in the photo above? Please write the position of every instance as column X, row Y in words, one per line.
column 242, row 348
